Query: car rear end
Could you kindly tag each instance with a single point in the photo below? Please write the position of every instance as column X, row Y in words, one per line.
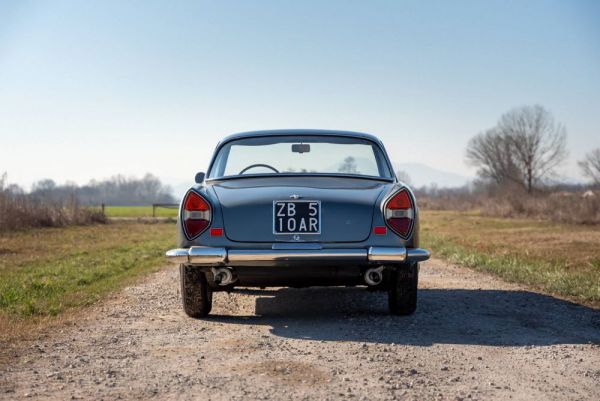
column 299, row 230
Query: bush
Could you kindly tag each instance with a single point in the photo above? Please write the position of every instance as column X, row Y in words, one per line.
column 559, row 206
column 579, row 207
column 19, row 210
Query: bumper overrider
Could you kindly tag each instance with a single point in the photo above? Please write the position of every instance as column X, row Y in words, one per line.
column 209, row 256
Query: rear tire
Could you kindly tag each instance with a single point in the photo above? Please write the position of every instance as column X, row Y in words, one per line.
column 195, row 292
column 402, row 290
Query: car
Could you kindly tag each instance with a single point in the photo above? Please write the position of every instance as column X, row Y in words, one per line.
column 298, row 208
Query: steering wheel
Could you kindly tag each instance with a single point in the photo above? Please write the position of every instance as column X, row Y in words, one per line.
column 259, row 165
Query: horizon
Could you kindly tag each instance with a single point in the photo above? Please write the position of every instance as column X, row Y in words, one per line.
column 425, row 177
column 94, row 90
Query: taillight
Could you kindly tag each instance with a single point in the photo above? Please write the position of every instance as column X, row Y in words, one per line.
column 196, row 214
column 399, row 213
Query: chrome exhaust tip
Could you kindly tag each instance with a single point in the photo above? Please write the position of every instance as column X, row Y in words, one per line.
column 222, row 275
column 374, row 275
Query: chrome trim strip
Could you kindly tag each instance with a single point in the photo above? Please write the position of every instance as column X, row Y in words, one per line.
column 284, row 175
column 417, row 254
column 387, row 254
column 246, row 255
column 199, row 255
column 311, row 246
column 178, row 255
column 343, row 134
column 206, row 256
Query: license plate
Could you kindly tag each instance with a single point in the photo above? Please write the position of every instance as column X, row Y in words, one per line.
column 297, row 217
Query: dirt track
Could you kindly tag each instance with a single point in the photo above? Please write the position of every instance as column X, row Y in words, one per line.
column 473, row 337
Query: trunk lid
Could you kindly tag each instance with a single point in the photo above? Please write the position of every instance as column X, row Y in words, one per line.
column 347, row 207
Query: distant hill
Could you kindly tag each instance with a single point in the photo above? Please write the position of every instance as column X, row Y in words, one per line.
column 423, row 175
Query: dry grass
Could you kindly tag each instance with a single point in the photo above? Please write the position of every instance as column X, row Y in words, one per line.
column 139, row 211
column 559, row 207
column 565, row 207
column 19, row 211
column 562, row 259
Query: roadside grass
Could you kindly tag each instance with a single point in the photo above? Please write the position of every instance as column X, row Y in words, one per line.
column 138, row 211
column 45, row 272
column 560, row 259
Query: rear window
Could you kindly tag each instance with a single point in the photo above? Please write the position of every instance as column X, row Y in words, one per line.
column 328, row 155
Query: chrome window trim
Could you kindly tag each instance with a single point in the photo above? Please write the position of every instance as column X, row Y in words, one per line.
column 208, row 256
column 374, row 141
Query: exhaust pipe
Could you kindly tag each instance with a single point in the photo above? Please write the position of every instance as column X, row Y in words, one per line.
column 222, row 275
column 373, row 276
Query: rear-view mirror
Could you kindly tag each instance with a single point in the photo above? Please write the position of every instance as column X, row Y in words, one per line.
column 300, row 148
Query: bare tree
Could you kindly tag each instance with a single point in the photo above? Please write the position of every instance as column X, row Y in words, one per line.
column 590, row 165
column 525, row 146
column 349, row 166
column 537, row 142
column 491, row 152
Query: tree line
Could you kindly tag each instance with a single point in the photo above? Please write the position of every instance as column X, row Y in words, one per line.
column 524, row 149
column 118, row 190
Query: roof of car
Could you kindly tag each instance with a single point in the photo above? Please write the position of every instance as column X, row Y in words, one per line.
column 300, row 132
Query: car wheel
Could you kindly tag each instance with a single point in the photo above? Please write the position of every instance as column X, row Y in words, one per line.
column 402, row 291
column 195, row 292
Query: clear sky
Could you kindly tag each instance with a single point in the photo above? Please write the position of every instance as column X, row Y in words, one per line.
column 92, row 89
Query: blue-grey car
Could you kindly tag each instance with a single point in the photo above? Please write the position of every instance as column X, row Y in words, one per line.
column 298, row 208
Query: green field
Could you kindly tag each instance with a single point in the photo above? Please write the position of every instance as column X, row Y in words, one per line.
column 138, row 211
column 560, row 259
column 45, row 272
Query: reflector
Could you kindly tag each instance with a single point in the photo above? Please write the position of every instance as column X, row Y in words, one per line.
column 380, row 230
column 216, row 232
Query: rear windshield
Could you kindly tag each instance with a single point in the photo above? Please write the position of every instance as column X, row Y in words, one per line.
column 319, row 155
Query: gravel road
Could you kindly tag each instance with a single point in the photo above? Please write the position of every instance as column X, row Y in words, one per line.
column 473, row 337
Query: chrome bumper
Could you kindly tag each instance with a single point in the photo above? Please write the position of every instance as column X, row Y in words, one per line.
column 206, row 256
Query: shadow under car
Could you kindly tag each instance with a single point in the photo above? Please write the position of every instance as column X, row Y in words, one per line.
column 447, row 316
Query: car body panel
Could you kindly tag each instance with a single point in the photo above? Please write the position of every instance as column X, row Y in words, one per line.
column 205, row 239
column 346, row 206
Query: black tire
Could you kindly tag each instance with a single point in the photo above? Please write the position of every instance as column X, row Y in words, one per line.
column 195, row 292
column 402, row 291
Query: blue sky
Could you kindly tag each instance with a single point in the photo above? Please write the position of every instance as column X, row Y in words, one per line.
column 92, row 89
